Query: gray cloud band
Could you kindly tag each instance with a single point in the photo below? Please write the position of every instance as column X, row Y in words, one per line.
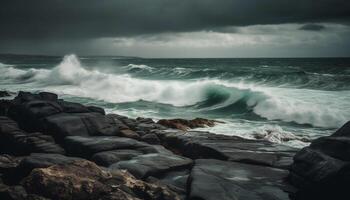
column 66, row 19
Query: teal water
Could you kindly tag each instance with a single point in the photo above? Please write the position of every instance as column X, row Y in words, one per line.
column 281, row 100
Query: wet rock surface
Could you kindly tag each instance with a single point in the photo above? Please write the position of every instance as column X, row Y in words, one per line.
column 214, row 179
column 196, row 145
column 85, row 180
column 54, row 149
column 322, row 170
column 184, row 124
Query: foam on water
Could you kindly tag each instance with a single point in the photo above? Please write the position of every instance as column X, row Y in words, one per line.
column 142, row 67
column 300, row 106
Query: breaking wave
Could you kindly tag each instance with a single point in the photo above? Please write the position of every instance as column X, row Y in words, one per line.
column 139, row 67
column 210, row 95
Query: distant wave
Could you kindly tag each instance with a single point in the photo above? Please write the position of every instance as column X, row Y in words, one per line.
column 140, row 67
column 210, row 95
column 4, row 65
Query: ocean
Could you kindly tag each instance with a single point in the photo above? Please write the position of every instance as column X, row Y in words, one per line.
column 283, row 100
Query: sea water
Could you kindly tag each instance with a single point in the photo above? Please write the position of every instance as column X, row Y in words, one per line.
column 283, row 100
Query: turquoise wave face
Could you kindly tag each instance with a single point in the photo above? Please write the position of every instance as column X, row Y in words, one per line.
column 282, row 97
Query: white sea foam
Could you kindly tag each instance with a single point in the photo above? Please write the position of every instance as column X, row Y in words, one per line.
column 142, row 67
column 276, row 134
column 316, row 108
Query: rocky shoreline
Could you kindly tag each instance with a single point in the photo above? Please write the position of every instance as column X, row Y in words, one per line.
column 54, row 149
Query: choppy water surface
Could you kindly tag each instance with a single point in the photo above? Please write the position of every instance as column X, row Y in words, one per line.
column 282, row 100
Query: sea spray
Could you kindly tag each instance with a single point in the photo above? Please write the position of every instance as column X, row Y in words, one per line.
column 244, row 94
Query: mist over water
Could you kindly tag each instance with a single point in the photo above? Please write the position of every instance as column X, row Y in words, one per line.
column 281, row 100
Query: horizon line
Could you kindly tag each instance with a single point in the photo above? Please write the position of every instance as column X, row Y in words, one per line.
column 141, row 57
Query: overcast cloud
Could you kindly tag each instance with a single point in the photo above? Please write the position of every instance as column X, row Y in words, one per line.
column 176, row 28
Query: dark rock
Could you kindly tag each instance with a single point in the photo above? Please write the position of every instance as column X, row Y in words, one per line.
column 8, row 163
column 129, row 134
column 15, row 141
column 311, row 167
column 87, row 146
column 85, row 180
column 117, row 121
column 145, row 120
column 336, row 147
column 321, row 170
column 154, row 149
column 8, row 167
column 4, row 93
column 107, row 158
column 207, row 145
column 4, row 107
column 343, row 131
column 131, row 123
column 151, row 138
column 81, row 124
column 38, row 160
column 16, row 192
column 141, row 133
column 48, row 96
column 184, row 124
column 176, row 180
column 44, row 112
column 214, row 179
column 96, row 109
column 41, row 160
column 78, row 180
column 148, row 127
column 71, row 107
column 155, row 164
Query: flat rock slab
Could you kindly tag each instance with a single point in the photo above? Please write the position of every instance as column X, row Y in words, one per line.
column 107, row 158
column 154, row 164
column 214, row 179
column 15, row 141
column 195, row 144
column 87, row 146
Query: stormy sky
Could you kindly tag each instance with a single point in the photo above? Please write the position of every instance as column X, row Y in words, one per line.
column 176, row 28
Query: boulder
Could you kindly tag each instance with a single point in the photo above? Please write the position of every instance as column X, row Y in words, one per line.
column 44, row 112
column 153, row 164
column 214, row 179
column 13, row 140
column 4, row 106
column 87, row 146
column 81, row 124
column 85, row 180
column 129, row 134
column 4, row 93
column 8, row 163
column 176, row 180
column 96, row 109
column 148, row 127
column 145, row 120
column 343, row 131
column 15, row 192
column 184, row 124
column 38, row 160
column 322, row 170
column 150, row 138
column 43, row 160
column 107, row 158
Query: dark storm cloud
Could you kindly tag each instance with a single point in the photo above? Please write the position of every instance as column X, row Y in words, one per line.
column 312, row 27
column 24, row 19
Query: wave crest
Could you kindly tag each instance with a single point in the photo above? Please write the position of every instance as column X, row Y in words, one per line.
column 210, row 95
column 139, row 67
